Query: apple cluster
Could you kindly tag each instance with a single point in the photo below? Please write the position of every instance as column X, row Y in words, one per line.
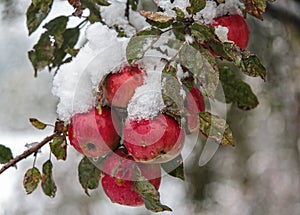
column 132, row 146
column 128, row 144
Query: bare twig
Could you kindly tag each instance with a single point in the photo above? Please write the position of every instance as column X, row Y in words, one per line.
column 127, row 9
column 28, row 152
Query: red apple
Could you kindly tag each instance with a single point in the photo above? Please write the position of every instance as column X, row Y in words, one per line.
column 238, row 29
column 154, row 140
column 120, row 86
column 195, row 105
column 119, row 177
column 94, row 134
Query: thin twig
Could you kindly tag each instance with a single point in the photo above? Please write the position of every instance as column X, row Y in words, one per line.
column 127, row 10
column 28, row 152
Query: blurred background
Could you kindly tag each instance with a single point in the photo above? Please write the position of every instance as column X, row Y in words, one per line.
column 261, row 175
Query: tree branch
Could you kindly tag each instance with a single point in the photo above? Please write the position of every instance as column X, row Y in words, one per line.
column 28, row 152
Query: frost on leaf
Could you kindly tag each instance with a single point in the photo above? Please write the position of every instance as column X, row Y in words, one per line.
column 5, row 154
column 171, row 94
column 31, row 179
column 36, row 13
column 157, row 19
column 216, row 129
column 202, row 66
column 174, row 167
column 148, row 193
column 89, row 174
column 137, row 47
column 48, row 185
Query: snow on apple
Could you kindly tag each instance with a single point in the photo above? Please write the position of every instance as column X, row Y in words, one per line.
column 147, row 101
column 76, row 83
column 238, row 30
column 212, row 10
column 222, row 33
column 120, row 86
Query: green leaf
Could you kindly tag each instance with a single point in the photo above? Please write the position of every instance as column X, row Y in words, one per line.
column 237, row 91
column 171, row 95
column 37, row 124
column 218, row 47
column 93, row 6
column 57, row 25
column 59, row 147
column 148, row 193
column 174, row 167
column 249, row 63
column 102, row 2
column 203, row 66
column 36, row 13
column 89, row 174
column 48, row 185
column 70, row 39
column 202, row 33
column 56, row 28
column 254, row 67
column 150, row 31
column 215, row 128
column 42, row 52
column 47, row 53
column 137, row 47
column 196, row 6
column 179, row 30
column 71, row 36
column 133, row 4
column 31, row 179
column 5, row 154
column 179, row 13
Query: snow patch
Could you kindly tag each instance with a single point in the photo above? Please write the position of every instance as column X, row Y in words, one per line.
column 76, row 83
column 209, row 13
column 114, row 15
column 212, row 10
column 167, row 5
column 147, row 102
column 222, row 33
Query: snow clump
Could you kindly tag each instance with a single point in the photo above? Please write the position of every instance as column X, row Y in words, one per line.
column 75, row 85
